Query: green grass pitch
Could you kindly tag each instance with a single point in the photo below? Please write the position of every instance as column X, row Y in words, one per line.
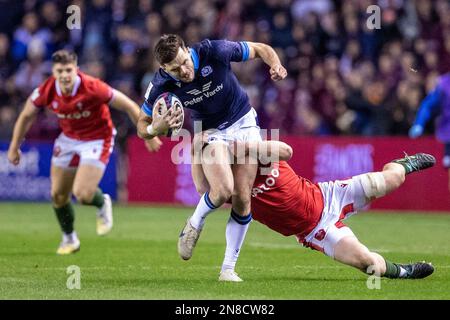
column 139, row 260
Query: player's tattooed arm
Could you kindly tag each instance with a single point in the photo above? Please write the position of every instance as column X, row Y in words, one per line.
column 270, row 57
column 23, row 124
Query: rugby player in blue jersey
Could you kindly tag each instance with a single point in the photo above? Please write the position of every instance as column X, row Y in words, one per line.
column 436, row 102
column 202, row 78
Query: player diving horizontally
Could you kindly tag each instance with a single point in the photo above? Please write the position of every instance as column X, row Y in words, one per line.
column 437, row 101
column 292, row 205
column 201, row 77
column 82, row 150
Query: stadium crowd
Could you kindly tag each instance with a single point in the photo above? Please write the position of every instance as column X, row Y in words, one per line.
column 344, row 78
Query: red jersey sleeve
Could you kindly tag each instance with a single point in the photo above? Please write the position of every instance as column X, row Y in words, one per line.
column 40, row 95
column 103, row 91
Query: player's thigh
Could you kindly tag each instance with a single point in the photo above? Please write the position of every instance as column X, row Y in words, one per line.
column 86, row 181
column 61, row 184
column 216, row 166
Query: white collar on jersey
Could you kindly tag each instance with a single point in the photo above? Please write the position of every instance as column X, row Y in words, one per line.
column 75, row 87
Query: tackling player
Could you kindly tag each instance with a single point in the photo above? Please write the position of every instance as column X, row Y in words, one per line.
column 292, row 205
column 82, row 150
column 202, row 79
column 437, row 101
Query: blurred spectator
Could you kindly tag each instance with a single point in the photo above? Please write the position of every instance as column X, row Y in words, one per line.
column 7, row 120
column 28, row 31
column 34, row 70
column 344, row 78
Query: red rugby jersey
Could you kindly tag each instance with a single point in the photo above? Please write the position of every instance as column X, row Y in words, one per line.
column 83, row 115
column 285, row 202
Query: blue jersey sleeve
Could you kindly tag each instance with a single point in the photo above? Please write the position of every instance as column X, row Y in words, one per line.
column 427, row 107
column 151, row 95
column 227, row 51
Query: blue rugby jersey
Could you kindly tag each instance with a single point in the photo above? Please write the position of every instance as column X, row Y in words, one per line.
column 215, row 95
column 439, row 98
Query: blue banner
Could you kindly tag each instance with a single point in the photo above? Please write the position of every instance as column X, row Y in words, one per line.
column 30, row 180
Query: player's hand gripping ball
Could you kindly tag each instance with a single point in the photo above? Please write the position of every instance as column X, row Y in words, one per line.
column 169, row 101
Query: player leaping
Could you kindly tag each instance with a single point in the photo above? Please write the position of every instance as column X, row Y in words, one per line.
column 202, row 78
column 292, row 205
column 82, row 150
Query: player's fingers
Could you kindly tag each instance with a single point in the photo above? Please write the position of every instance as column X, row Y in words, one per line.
column 174, row 117
column 173, row 121
column 179, row 117
column 165, row 113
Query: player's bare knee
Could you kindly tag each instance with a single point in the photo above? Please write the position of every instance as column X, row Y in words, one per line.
column 394, row 174
column 221, row 194
column 394, row 179
column 58, row 199
column 84, row 195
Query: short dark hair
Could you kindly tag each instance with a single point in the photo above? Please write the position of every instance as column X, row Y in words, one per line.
column 64, row 57
column 167, row 47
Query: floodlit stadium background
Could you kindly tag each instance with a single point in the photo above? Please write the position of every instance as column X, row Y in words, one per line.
column 345, row 79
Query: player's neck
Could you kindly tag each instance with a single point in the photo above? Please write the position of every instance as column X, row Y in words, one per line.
column 67, row 91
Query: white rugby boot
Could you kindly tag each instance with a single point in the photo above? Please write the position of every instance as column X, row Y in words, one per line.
column 187, row 240
column 105, row 217
column 69, row 244
column 229, row 275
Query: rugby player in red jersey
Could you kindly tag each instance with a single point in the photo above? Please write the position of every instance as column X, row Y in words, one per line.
column 313, row 212
column 82, row 150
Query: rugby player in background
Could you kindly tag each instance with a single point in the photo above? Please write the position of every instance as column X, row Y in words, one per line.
column 437, row 102
column 81, row 152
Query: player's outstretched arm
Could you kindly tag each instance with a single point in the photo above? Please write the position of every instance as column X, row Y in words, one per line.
column 266, row 151
column 123, row 103
column 426, row 109
column 270, row 57
column 23, row 124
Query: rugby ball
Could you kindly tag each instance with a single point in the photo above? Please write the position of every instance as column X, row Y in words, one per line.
column 169, row 100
